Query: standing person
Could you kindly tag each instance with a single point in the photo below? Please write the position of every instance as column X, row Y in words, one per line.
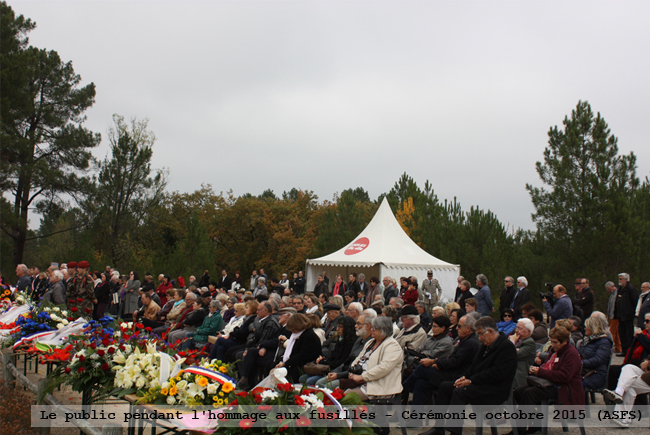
column 363, row 285
column 458, row 289
column 585, row 298
column 431, row 286
column 284, row 282
column 24, row 280
column 563, row 308
column 205, row 279
column 102, row 294
column 339, row 288
column 464, row 294
column 643, row 306
column 353, row 284
column 225, row 281
column 165, row 284
column 521, row 296
column 483, row 296
column 130, row 298
column 373, row 291
column 326, row 279
column 626, row 300
column 299, row 283
column 253, row 280
column 613, row 323
column 81, row 294
column 389, row 290
column 320, row 288
column 507, row 294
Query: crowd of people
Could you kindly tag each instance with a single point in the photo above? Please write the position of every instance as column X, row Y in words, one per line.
column 389, row 338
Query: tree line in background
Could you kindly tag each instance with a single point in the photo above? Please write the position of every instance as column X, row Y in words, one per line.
column 592, row 212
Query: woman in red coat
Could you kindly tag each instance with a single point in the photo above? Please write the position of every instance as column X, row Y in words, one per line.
column 563, row 367
column 411, row 294
column 161, row 291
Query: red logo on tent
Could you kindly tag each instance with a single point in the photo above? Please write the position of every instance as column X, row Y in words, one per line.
column 357, row 246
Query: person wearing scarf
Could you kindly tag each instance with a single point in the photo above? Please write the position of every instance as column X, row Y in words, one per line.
column 302, row 347
column 339, row 288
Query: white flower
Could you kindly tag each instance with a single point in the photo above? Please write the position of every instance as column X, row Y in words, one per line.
column 181, row 385
column 119, row 357
column 46, row 309
column 94, row 356
column 128, row 349
column 129, row 325
column 54, row 317
column 60, row 326
column 139, row 383
column 64, row 313
column 171, row 400
column 117, row 334
column 123, row 325
column 64, row 322
column 268, row 394
column 313, row 400
column 212, row 389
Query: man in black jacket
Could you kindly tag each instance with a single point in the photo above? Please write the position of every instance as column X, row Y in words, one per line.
column 263, row 355
column 520, row 297
column 389, row 290
column 225, row 282
column 507, row 294
column 487, row 381
column 624, row 310
column 428, row 376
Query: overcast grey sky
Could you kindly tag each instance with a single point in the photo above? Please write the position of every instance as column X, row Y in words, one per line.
column 325, row 95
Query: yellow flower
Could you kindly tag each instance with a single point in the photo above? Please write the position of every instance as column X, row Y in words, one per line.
column 214, row 405
column 171, row 383
column 225, row 401
column 202, row 381
column 164, row 391
column 223, row 369
column 220, row 393
column 215, row 398
column 178, row 378
column 173, row 390
column 219, row 401
column 227, row 387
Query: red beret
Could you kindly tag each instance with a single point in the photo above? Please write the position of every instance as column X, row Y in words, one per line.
column 72, row 264
column 84, row 264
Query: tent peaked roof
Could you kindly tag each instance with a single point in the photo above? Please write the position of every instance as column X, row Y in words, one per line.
column 383, row 241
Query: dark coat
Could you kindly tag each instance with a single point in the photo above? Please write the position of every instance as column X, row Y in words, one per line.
column 540, row 333
column 267, row 329
column 354, row 286
column 389, row 292
column 585, row 300
column 520, row 299
column 566, row 375
column 626, row 299
column 225, row 282
column 595, row 356
column 321, row 288
column 463, row 297
column 342, row 289
column 340, row 353
column 196, row 317
column 240, row 333
column 425, row 320
column 506, row 298
column 644, row 341
column 462, row 356
column 306, row 349
column 645, row 309
column 299, row 285
column 492, row 372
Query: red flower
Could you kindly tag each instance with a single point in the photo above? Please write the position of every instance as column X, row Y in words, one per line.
column 242, row 394
column 88, row 310
column 127, row 337
column 264, row 408
column 67, row 370
column 111, row 350
column 303, row 422
column 148, row 329
column 338, row 394
column 104, row 366
column 139, row 325
column 80, row 300
column 234, row 402
column 299, row 400
column 93, row 346
column 81, row 369
column 82, row 358
column 100, row 352
column 105, row 342
column 246, row 423
column 122, row 348
column 71, row 301
column 70, row 319
column 285, row 387
column 74, row 309
column 181, row 354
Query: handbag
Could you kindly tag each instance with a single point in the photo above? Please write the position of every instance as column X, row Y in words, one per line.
column 536, row 381
column 313, row 369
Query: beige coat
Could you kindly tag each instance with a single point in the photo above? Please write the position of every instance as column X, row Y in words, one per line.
column 412, row 341
column 384, row 374
column 174, row 312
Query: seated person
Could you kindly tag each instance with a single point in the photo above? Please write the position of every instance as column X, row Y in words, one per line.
column 211, row 324
column 525, row 350
column 412, row 335
column 596, row 352
column 632, row 382
column 507, row 324
column 563, row 368
column 428, row 376
column 540, row 333
column 487, row 381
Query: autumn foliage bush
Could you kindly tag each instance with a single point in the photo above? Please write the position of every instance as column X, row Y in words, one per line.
column 15, row 410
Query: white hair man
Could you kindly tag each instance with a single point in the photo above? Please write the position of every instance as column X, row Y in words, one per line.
column 354, row 310
column 412, row 334
column 23, row 278
column 56, row 292
column 521, row 297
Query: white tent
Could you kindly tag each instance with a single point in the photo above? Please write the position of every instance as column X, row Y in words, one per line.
column 384, row 249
